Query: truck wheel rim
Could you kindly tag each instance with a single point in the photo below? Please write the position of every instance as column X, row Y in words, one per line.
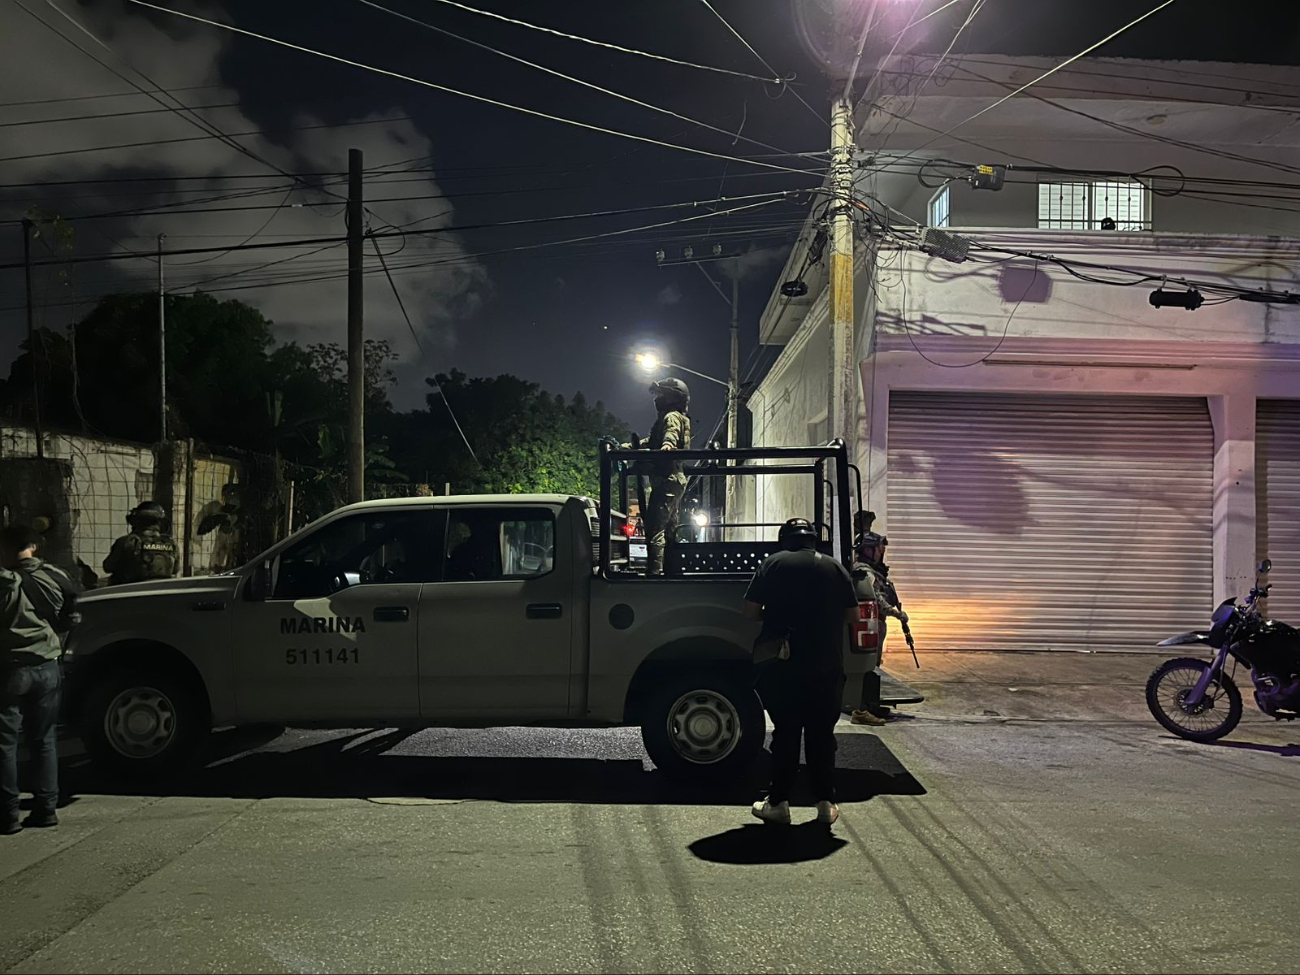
column 703, row 727
column 140, row 722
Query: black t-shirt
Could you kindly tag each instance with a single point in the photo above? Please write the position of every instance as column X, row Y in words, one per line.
column 807, row 593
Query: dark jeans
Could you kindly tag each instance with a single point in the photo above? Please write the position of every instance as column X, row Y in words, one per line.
column 29, row 699
column 803, row 705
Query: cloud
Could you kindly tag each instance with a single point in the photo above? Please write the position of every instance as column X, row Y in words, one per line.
column 440, row 282
column 754, row 259
column 668, row 295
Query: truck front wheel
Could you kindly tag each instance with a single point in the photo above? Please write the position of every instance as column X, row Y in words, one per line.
column 703, row 725
column 144, row 725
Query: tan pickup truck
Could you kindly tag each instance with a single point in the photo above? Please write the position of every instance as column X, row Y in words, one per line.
column 462, row 611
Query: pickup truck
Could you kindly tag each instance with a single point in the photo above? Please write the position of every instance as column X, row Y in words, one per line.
column 457, row 611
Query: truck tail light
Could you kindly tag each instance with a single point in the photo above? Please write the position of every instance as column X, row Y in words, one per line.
column 866, row 631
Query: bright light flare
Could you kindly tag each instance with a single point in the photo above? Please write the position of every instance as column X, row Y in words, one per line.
column 648, row 361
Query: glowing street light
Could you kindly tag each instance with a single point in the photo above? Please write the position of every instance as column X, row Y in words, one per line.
column 648, row 361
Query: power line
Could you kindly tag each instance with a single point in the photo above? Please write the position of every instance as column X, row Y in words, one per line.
column 1154, row 136
column 111, row 94
column 567, row 77
column 223, row 136
column 776, row 80
column 1047, row 74
column 108, row 115
column 192, row 118
column 420, row 346
column 766, row 198
column 423, row 265
column 816, row 114
column 478, row 98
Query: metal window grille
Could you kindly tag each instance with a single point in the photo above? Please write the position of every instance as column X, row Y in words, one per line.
column 940, row 207
column 1083, row 206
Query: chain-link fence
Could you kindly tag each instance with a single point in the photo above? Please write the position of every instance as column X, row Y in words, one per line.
column 226, row 504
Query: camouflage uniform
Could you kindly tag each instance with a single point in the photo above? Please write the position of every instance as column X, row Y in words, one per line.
column 667, row 485
column 144, row 554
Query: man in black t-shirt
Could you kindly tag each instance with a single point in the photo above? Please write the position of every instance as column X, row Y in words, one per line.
column 806, row 598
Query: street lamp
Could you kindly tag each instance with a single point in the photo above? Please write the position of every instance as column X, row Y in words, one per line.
column 650, row 363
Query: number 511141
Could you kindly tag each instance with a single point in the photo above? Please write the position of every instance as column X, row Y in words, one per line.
column 316, row 655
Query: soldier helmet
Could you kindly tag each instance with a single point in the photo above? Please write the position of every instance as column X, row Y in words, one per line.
column 793, row 533
column 672, row 390
column 147, row 511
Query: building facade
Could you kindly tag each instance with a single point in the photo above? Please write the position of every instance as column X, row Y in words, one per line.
column 1059, row 464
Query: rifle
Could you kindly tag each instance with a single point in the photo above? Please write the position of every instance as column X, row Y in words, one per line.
column 892, row 595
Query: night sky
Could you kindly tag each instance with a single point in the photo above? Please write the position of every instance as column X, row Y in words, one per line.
column 564, row 316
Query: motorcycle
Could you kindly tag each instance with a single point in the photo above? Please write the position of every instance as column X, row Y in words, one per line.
column 1200, row 701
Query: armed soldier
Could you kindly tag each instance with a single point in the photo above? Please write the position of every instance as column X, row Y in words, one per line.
column 671, row 431
column 146, row 553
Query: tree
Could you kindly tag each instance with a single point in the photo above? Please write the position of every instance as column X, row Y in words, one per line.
column 526, row 439
column 102, row 377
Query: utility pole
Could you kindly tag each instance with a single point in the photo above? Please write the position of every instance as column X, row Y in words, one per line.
column 839, row 411
column 356, row 333
column 733, row 373
column 716, row 253
column 31, row 341
column 162, row 347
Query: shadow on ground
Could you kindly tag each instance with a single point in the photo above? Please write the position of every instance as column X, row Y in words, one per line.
column 762, row 844
column 357, row 766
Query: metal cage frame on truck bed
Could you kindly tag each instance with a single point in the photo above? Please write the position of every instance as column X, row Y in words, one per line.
column 730, row 559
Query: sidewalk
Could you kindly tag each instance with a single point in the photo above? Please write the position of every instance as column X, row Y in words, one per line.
column 1053, row 686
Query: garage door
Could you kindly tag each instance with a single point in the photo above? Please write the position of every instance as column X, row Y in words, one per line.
column 1277, row 481
column 1021, row 522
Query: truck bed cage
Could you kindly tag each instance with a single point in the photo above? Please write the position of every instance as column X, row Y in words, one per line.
column 730, row 559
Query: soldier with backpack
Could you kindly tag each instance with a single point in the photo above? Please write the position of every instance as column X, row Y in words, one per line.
column 146, row 553
column 38, row 606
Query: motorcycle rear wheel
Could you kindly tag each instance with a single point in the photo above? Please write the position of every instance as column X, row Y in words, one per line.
column 1171, row 682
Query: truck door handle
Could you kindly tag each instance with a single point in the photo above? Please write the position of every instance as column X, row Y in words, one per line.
column 545, row 611
column 392, row 614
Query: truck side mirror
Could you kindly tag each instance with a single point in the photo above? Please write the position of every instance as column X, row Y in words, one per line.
column 259, row 584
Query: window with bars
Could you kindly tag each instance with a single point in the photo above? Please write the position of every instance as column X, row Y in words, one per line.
column 940, row 208
column 1085, row 206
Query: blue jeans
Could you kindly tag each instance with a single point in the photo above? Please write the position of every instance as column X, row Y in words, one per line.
column 29, row 699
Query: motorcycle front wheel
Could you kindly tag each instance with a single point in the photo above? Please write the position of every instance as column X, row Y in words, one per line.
column 1167, row 691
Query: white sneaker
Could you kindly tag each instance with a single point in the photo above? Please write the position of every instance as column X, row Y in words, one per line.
column 778, row 815
column 827, row 812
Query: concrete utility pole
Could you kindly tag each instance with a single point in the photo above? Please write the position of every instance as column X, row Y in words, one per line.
column 840, row 411
column 733, row 372
column 356, row 333
column 31, row 340
column 162, row 347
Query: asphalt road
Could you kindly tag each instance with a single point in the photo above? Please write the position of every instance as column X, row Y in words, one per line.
column 1019, row 821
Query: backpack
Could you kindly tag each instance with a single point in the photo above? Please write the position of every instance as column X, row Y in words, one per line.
column 68, row 615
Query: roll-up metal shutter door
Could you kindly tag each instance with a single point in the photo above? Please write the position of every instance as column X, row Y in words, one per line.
column 1277, row 509
column 1025, row 522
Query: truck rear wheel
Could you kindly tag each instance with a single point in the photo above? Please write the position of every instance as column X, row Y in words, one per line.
column 144, row 724
column 703, row 725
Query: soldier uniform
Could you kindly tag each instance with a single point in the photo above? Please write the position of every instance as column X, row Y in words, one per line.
column 671, row 431
column 146, row 553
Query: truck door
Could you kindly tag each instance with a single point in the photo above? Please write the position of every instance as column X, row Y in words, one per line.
column 335, row 639
column 496, row 630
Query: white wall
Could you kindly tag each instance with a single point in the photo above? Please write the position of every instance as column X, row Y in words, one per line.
column 922, row 295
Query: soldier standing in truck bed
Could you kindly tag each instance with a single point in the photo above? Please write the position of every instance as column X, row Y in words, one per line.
column 146, row 553
column 671, row 431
